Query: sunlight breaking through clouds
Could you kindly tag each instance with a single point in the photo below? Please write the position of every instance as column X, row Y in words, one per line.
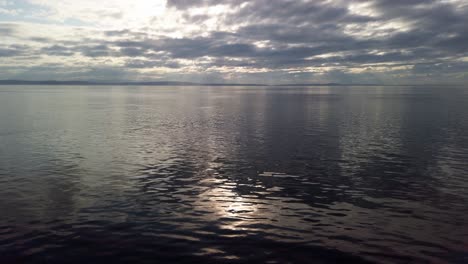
column 233, row 40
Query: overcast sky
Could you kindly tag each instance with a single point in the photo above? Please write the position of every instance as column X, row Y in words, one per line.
column 262, row 41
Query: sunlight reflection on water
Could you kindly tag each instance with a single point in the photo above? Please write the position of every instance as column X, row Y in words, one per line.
column 240, row 174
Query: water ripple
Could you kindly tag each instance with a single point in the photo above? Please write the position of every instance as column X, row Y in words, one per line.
column 243, row 175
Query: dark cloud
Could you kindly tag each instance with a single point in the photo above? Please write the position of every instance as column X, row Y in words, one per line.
column 297, row 30
column 295, row 13
column 57, row 50
column 427, row 36
column 441, row 68
column 132, row 52
column 101, row 50
column 41, row 39
column 13, row 50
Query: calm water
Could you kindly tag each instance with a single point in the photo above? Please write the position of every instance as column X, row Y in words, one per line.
column 233, row 174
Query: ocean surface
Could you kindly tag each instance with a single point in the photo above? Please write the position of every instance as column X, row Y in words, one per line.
column 114, row 174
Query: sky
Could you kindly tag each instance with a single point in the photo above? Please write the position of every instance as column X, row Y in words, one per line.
column 236, row 41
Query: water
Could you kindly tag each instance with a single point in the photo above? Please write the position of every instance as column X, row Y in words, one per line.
column 233, row 174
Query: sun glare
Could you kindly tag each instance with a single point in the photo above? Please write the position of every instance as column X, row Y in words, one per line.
column 146, row 8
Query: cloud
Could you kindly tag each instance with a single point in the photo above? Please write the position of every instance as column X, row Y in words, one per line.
column 13, row 50
column 152, row 64
column 292, row 40
column 7, row 29
column 57, row 50
column 186, row 4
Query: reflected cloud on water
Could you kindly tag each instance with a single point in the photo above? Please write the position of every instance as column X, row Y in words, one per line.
column 213, row 172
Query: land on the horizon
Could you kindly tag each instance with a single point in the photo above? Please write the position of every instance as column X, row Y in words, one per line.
column 176, row 83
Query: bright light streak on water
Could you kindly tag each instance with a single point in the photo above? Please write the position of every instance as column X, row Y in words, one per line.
column 234, row 174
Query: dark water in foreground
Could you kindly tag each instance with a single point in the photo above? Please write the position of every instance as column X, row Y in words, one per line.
column 235, row 175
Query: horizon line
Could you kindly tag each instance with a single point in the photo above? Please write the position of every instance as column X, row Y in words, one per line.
column 182, row 83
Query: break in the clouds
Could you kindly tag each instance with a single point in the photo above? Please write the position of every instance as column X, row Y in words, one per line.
column 263, row 41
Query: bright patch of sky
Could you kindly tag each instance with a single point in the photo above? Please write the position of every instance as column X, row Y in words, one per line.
column 235, row 40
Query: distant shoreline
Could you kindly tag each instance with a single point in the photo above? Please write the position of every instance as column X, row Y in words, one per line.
column 173, row 83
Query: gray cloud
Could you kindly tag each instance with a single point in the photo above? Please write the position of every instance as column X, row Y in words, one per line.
column 57, row 50
column 41, row 39
column 8, row 29
column 427, row 36
column 100, row 50
column 13, row 50
column 152, row 64
column 437, row 32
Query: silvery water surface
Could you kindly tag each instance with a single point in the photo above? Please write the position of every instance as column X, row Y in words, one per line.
column 233, row 174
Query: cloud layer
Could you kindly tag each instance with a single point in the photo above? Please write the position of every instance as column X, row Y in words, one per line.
column 265, row 41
